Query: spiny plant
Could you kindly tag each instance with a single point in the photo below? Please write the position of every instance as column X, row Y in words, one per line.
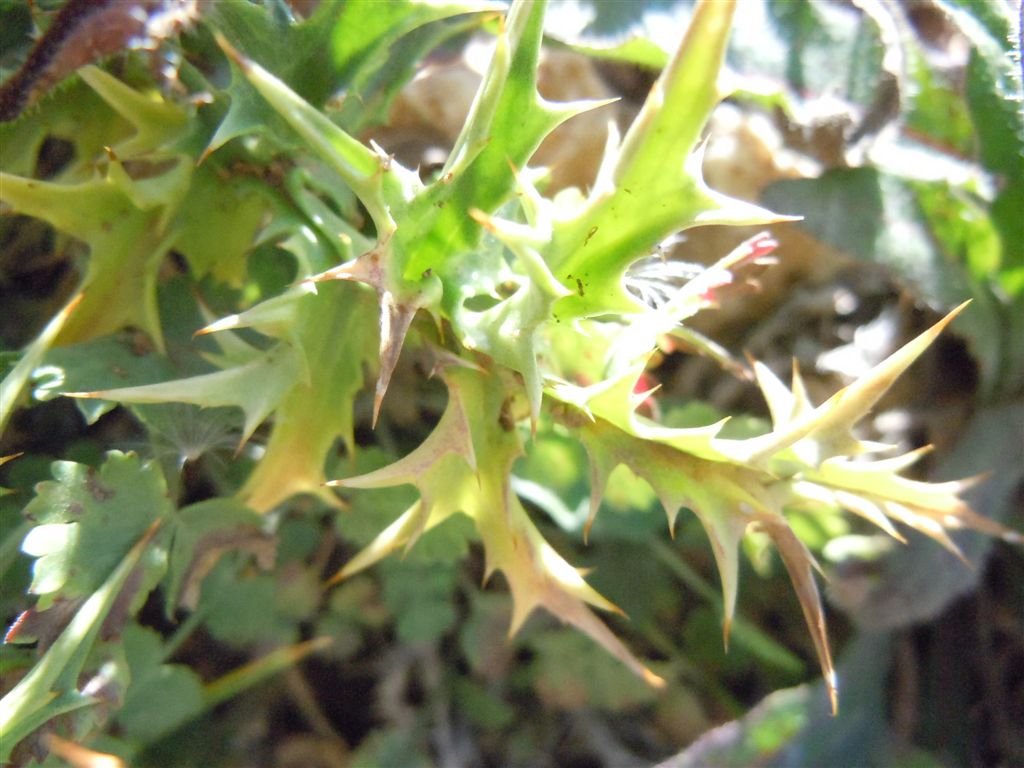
column 540, row 316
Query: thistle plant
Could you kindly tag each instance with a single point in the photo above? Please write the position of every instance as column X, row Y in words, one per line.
column 540, row 315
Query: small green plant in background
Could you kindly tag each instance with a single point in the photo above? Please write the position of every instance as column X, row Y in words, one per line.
column 249, row 253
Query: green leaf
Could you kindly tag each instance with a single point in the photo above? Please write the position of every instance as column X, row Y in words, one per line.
column 483, row 636
column 570, row 672
column 421, row 599
column 406, row 33
column 743, row 634
column 755, row 738
column 86, row 520
column 217, row 223
column 160, row 697
column 822, row 739
column 370, row 174
column 14, row 381
column 298, row 52
column 481, row 706
column 241, row 608
column 51, row 687
column 936, row 108
column 994, row 93
column 355, row 610
column 205, row 532
column 994, row 87
column 814, row 39
column 390, row 746
column 341, row 45
column 111, row 361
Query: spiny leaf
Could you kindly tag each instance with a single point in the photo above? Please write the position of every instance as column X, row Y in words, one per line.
column 276, row 316
column 440, row 479
column 451, row 435
column 157, row 122
column 651, row 186
column 72, row 111
column 506, row 124
column 124, row 224
column 537, row 575
column 870, row 487
column 257, row 387
column 829, row 424
column 724, row 497
column 406, row 31
column 800, row 563
column 399, row 303
column 615, row 401
column 508, row 332
column 336, row 344
column 370, row 174
column 539, row 578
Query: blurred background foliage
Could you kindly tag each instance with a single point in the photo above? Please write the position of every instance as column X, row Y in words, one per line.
column 895, row 129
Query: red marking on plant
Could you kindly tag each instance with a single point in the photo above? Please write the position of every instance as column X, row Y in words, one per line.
column 759, row 246
column 11, row 636
column 755, row 250
column 646, row 385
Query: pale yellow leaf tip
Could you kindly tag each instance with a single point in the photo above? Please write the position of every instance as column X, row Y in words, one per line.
column 224, row 324
column 337, row 578
column 652, row 679
column 832, row 684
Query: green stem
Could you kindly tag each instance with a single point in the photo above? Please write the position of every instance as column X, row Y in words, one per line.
column 184, row 631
